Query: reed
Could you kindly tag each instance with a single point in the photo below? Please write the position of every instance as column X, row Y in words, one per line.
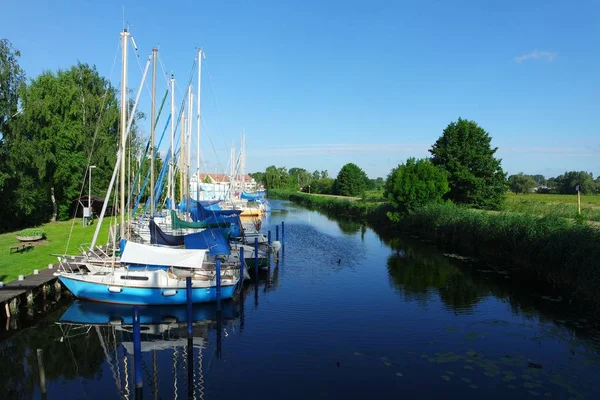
column 565, row 253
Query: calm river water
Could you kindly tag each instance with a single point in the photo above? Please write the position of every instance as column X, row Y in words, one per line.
column 344, row 314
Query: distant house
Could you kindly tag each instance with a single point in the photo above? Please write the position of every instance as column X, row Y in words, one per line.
column 216, row 186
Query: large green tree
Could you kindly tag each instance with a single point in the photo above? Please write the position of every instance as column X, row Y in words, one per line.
column 350, row 181
column 521, row 183
column 15, row 186
column 67, row 116
column 475, row 176
column 413, row 185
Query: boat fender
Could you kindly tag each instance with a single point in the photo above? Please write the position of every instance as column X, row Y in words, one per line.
column 115, row 289
column 170, row 292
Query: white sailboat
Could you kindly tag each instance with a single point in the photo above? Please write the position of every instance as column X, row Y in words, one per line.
column 143, row 274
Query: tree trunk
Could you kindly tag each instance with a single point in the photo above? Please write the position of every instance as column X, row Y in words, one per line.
column 54, row 210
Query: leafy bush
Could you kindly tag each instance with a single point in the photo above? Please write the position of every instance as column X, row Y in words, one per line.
column 413, row 185
column 32, row 232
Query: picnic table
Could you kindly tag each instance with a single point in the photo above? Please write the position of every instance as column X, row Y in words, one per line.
column 19, row 248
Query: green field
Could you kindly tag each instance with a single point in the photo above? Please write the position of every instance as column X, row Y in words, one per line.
column 562, row 205
column 57, row 235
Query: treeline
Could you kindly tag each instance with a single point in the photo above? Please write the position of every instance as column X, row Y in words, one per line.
column 351, row 181
column 566, row 183
column 462, row 169
column 52, row 128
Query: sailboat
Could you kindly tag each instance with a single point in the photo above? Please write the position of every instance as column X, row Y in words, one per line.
column 144, row 274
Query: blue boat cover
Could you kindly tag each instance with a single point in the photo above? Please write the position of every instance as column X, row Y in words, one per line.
column 213, row 239
column 202, row 213
column 157, row 236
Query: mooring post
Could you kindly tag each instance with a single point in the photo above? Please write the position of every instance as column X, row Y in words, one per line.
column 218, row 277
column 188, row 295
column 282, row 233
column 269, row 237
column 277, row 232
column 256, row 257
column 137, row 348
column 40, row 360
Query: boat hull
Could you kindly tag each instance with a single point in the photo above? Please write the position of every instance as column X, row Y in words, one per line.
column 107, row 293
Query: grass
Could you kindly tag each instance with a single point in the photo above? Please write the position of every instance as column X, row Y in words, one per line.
column 561, row 205
column 57, row 234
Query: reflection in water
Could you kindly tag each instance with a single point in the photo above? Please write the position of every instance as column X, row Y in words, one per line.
column 349, row 227
column 88, row 334
column 418, row 274
column 336, row 310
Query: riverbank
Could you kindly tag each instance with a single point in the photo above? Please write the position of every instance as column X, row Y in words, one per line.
column 562, row 252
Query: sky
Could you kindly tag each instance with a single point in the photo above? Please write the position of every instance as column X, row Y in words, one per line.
column 317, row 84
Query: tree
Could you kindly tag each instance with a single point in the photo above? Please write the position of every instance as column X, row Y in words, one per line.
column 413, row 185
column 521, row 183
column 259, row 177
column 316, row 176
column 539, row 179
column 351, row 181
column 12, row 78
column 475, row 177
column 67, row 116
column 567, row 182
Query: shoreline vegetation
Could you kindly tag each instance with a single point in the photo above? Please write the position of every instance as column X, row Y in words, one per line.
column 563, row 252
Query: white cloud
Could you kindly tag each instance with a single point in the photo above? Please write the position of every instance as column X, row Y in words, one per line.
column 537, row 55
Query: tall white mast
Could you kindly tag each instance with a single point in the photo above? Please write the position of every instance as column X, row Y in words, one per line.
column 171, row 185
column 243, row 163
column 124, row 39
column 198, row 123
column 152, row 126
column 189, row 142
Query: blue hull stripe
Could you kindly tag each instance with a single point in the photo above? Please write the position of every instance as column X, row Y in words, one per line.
column 142, row 296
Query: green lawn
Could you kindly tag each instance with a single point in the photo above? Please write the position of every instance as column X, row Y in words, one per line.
column 563, row 205
column 57, row 234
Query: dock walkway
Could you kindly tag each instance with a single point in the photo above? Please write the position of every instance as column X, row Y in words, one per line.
column 31, row 283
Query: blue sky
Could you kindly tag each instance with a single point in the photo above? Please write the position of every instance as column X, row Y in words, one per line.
column 317, row 84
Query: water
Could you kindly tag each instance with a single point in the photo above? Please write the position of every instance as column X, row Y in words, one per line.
column 345, row 314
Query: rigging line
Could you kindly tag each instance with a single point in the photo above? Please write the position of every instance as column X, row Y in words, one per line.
column 162, row 66
column 137, row 57
column 89, row 160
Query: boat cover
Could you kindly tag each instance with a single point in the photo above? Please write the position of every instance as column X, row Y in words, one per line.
column 214, row 240
column 157, row 236
column 136, row 253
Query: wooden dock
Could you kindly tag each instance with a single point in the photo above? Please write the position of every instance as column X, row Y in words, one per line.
column 12, row 294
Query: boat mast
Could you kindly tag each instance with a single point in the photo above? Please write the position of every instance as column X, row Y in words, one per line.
column 124, row 37
column 189, row 143
column 182, row 155
column 243, row 163
column 198, row 121
column 152, row 127
column 171, row 188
